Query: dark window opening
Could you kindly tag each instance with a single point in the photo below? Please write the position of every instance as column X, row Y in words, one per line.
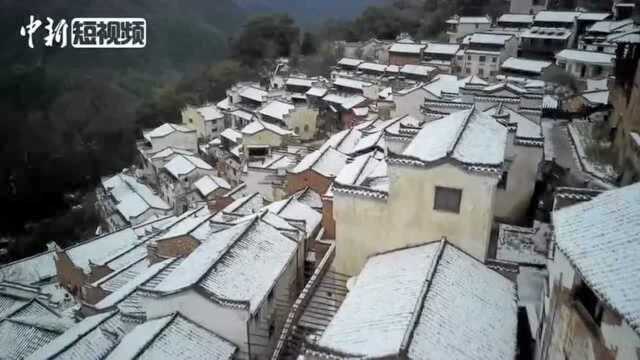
column 589, row 301
column 502, row 184
column 447, row 199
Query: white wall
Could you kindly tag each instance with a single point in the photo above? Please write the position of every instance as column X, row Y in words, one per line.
column 177, row 139
column 410, row 103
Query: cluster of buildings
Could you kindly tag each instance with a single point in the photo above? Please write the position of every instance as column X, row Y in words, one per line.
column 424, row 201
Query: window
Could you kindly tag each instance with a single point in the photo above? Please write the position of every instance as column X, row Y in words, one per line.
column 447, row 199
column 477, row 26
column 191, row 120
column 589, row 301
column 600, row 48
column 502, row 184
column 467, row 70
column 494, row 59
column 468, row 57
column 306, row 128
column 492, row 73
column 297, row 130
column 483, row 58
column 480, row 72
column 597, row 70
column 272, row 329
column 460, row 57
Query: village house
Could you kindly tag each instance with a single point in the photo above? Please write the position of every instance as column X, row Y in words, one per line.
column 207, row 120
column 151, row 163
column 450, row 166
column 171, row 135
column 123, row 200
column 460, row 26
column 483, row 54
column 598, row 37
column 244, row 277
column 268, row 177
column 441, row 56
column 370, row 50
column 354, row 86
column 211, row 187
column 527, row 6
column 259, row 138
column 177, row 179
column 345, row 109
column 403, row 53
column 428, row 318
column 586, row 64
column 418, row 72
column 247, row 95
column 349, row 64
column 299, row 118
column 552, row 31
column 592, row 311
column 625, row 119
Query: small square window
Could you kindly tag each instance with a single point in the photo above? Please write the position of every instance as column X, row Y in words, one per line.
column 447, row 199
column 483, row 58
column 494, row 59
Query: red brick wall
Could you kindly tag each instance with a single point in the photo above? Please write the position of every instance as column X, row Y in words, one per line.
column 403, row 59
column 69, row 276
column 309, row 178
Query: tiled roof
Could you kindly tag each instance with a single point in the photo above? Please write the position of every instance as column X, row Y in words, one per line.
column 208, row 184
column 438, row 311
column 326, row 162
column 516, row 18
column 258, row 126
column 30, row 270
column 184, row 164
column 587, row 57
column 601, row 239
column 407, row 48
column 277, row 109
column 172, row 337
column 469, row 137
column 526, row 65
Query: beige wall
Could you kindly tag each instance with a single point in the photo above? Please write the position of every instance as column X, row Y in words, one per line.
column 299, row 118
column 365, row 226
column 262, row 138
column 193, row 120
column 409, row 103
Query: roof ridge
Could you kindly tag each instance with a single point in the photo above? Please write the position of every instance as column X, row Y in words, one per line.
column 419, row 307
column 85, row 333
column 135, row 192
column 461, row 130
column 155, row 335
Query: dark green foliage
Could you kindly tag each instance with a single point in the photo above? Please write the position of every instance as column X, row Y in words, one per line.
column 266, row 37
column 308, row 46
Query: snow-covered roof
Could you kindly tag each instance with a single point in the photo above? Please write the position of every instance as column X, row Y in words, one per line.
column 166, row 129
column 420, row 70
column 208, row 184
column 92, row 338
column 350, row 62
column 27, row 326
column 185, row 164
column 351, row 83
column 406, row 48
column 210, row 112
column 30, row 270
column 610, row 26
column 600, row 238
column 344, row 141
column 486, row 38
column 557, row 16
column 258, row 126
column 429, row 316
column 170, row 152
column 317, row 92
column 240, row 264
column 525, row 65
column 133, row 198
column 516, row 18
column 586, row 57
column 527, row 129
column 593, row 16
column 366, row 171
column 467, row 136
column 294, row 81
column 234, row 135
column 546, row 33
column 309, row 197
column 172, row 337
column 444, row 84
column 372, row 67
column 392, row 68
column 277, row 109
column 224, row 104
column 243, row 114
column 346, row 101
column 245, row 205
column 442, row 48
column 253, row 93
column 469, row 20
column 597, row 97
column 326, row 161
column 101, row 249
column 293, row 209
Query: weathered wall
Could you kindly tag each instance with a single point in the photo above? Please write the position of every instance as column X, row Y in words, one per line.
column 176, row 247
column 403, row 59
column 310, row 179
column 304, row 121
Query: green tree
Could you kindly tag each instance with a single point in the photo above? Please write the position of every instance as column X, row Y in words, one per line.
column 265, row 37
column 308, row 46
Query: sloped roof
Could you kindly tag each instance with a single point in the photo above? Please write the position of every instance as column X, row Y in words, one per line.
column 258, row 126
column 317, row 92
column 421, row 70
column 469, row 137
column 172, row 337
column 92, row 338
column 277, row 109
column 526, row 65
column 610, row 26
column 345, row 141
column 208, row 184
column 557, row 16
column 169, row 152
column 326, row 162
column 516, row 18
column 351, row 83
column 366, row 171
column 166, row 129
column 293, row 209
column 350, row 62
column 184, row 164
column 526, row 128
column 493, row 39
column 407, row 48
column 253, row 93
column 346, row 101
column 372, row 67
column 442, row 48
column 133, row 198
column 587, row 57
column 438, row 311
column 210, row 112
column 232, row 134
column 102, row 248
column 600, row 238
column 239, row 265
column 294, row 81
column 30, row 270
